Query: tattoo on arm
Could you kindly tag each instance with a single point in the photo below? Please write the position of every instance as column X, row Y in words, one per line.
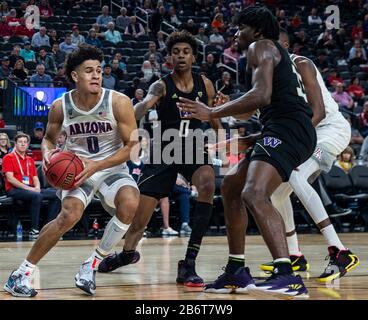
column 156, row 89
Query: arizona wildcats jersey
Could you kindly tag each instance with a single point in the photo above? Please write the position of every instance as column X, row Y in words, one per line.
column 91, row 134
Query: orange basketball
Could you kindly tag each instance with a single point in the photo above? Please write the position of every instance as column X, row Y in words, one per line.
column 64, row 166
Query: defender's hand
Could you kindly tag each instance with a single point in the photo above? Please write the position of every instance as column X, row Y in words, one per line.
column 195, row 109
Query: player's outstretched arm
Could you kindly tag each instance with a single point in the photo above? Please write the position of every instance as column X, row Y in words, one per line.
column 53, row 129
column 308, row 73
column 211, row 93
column 155, row 92
column 262, row 57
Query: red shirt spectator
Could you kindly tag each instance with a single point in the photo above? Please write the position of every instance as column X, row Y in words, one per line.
column 355, row 90
column 22, row 30
column 45, row 9
column 357, row 32
column 333, row 79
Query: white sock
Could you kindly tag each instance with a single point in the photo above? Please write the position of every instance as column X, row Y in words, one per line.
column 96, row 259
column 237, row 256
column 293, row 245
column 26, row 268
column 331, row 237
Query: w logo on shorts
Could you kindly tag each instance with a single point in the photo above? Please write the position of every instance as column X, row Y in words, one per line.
column 272, row 142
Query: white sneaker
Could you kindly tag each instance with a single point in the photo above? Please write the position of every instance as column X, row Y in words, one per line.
column 85, row 279
column 185, row 230
column 169, row 232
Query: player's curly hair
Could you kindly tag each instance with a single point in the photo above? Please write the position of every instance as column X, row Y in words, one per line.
column 181, row 36
column 78, row 56
column 262, row 20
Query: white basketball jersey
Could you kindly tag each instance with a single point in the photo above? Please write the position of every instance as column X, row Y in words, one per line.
column 331, row 107
column 92, row 134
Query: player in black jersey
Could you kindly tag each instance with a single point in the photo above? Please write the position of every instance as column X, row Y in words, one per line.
column 159, row 176
column 287, row 139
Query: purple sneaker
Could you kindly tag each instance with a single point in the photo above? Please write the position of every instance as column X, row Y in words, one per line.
column 282, row 286
column 114, row 261
column 239, row 282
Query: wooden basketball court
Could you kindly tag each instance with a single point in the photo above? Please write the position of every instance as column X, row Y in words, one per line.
column 153, row 277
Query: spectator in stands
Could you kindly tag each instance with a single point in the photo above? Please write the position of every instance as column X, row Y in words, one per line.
column 218, row 22
column 130, row 91
column 40, row 39
column 342, row 98
column 201, row 35
column 281, row 18
column 295, row 21
column 19, row 72
column 104, row 18
column 157, row 18
column 122, row 20
column 216, row 39
column 22, row 31
column 41, row 79
column 152, row 51
column 60, row 79
column 211, row 68
column 4, row 9
column 165, row 211
column 4, row 147
column 12, row 20
column 322, row 62
column 15, row 55
column 363, row 120
column 5, row 31
column 46, row 60
column 135, row 28
column 365, row 27
column 358, row 59
column 138, row 96
column 314, row 18
column 21, row 180
column 77, row 38
column 45, row 9
column 346, row 159
column 341, row 39
column 161, row 44
column 99, row 32
column 111, row 34
column 356, row 139
column 67, row 46
column 232, row 51
column 92, row 39
column 148, row 75
column 357, row 47
column 116, row 71
column 27, row 53
column 356, row 90
column 5, row 69
column 190, row 26
column 334, row 78
column 172, row 18
column 224, row 84
column 167, row 66
column 53, row 37
column 38, row 134
column 57, row 54
column 108, row 80
column 363, row 154
column 326, row 40
column 340, row 59
column 357, row 31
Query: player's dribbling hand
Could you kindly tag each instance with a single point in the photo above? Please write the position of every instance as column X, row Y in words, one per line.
column 46, row 158
column 195, row 109
column 90, row 168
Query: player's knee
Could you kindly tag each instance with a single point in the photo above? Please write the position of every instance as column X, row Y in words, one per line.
column 252, row 197
column 69, row 216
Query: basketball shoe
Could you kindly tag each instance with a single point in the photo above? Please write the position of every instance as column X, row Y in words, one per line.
column 298, row 263
column 282, row 286
column 85, row 279
column 19, row 285
column 187, row 275
column 239, row 282
column 117, row 260
column 341, row 262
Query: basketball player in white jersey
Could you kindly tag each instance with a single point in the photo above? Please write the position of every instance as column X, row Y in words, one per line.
column 100, row 125
column 333, row 136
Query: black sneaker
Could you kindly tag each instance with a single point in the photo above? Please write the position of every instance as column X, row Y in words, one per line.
column 341, row 262
column 298, row 263
column 114, row 261
column 187, row 275
column 335, row 211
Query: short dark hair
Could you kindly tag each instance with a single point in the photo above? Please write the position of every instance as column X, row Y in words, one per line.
column 22, row 135
column 77, row 57
column 262, row 20
column 181, row 36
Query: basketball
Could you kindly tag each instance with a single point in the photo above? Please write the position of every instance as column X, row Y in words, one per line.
column 64, row 166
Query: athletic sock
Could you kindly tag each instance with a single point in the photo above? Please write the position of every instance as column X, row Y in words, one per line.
column 192, row 251
column 331, row 237
column 26, row 268
column 293, row 245
column 235, row 262
column 126, row 256
column 96, row 259
column 282, row 266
